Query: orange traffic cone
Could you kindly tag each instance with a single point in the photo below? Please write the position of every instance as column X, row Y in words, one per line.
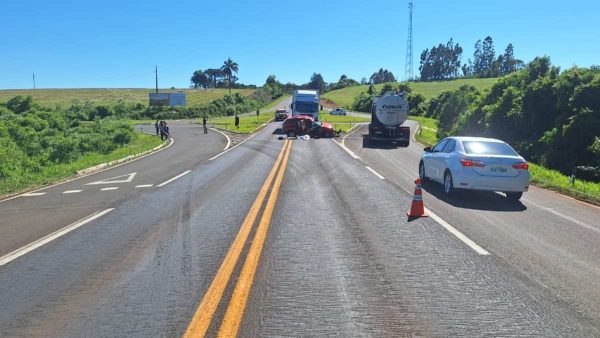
column 417, row 209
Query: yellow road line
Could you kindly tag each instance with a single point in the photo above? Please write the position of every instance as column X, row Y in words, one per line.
column 237, row 304
column 204, row 314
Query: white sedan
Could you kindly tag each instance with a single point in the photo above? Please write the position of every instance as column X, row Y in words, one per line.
column 476, row 163
column 338, row 111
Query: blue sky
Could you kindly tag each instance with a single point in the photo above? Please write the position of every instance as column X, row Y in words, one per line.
column 71, row 44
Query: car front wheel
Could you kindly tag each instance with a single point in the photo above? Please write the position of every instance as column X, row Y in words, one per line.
column 448, row 183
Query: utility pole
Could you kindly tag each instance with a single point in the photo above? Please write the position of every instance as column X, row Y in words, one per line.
column 33, row 81
column 408, row 67
column 156, row 72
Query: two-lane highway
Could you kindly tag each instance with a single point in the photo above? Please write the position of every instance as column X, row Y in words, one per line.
column 278, row 238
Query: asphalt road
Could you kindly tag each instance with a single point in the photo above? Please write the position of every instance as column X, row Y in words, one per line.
column 550, row 241
column 285, row 238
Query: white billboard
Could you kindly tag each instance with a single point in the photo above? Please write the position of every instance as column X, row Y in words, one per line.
column 167, row 99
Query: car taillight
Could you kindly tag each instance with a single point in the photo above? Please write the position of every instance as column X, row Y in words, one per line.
column 470, row 163
column 521, row 165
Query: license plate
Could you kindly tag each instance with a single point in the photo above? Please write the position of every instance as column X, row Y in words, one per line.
column 498, row 169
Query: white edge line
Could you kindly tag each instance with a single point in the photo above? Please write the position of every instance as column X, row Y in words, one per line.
column 32, row 194
column 90, row 174
column 49, row 238
column 350, row 152
column 226, row 136
column 173, row 179
column 235, row 146
column 457, row 233
column 568, row 218
column 358, row 125
column 144, row 185
column 375, row 173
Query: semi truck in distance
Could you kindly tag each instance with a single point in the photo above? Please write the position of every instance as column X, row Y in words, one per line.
column 388, row 113
column 306, row 103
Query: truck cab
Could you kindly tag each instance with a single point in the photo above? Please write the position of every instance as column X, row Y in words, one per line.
column 306, row 103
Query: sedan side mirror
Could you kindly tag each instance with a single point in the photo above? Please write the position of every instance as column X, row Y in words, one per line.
column 427, row 149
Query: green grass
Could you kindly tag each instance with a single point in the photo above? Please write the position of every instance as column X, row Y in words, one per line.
column 345, row 127
column 554, row 180
column 428, row 130
column 110, row 96
column 326, row 117
column 540, row 176
column 51, row 174
column 248, row 123
column 345, row 96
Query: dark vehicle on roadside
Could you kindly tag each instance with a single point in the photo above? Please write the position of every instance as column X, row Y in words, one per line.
column 305, row 125
column 280, row 115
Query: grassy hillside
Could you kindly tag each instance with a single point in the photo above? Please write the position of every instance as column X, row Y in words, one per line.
column 107, row 96
column 344, row 97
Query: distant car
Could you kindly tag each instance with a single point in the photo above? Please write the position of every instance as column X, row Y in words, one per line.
column 338, row 111
column 305, row 125
column 280, row 115
column 476, row 163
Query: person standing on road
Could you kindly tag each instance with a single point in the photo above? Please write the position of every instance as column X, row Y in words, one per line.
column 204, row 124
column 237, row 121
column 157, row 126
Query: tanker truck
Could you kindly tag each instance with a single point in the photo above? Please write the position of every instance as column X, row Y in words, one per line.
column 388, row 113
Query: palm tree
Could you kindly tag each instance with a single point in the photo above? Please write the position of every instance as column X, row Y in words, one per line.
column 229, row 67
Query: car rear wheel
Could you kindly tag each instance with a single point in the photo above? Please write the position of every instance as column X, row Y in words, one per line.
column 422, row 172
column 448, row 183
column 514, row 196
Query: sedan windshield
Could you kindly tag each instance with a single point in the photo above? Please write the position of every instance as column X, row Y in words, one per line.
column 306, row 107
column 488, row 148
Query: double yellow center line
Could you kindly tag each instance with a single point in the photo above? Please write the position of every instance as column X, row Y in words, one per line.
column 237, row 304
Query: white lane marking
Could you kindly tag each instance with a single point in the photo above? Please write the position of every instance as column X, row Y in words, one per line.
column 144, row 185
column 71, row 191
column 375, row 173
column 173, row 179
column 350, row 152
column 226, row 136
column 49, row 238
column 109, row 188
column 32, row 194
column 235, row 146
column 457, row 233
column 358, row 125
column 116, row 179
column 568, row 218
column 172, row 141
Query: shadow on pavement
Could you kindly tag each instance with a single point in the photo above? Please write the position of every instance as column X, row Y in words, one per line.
column 278, row 131
column 478, row 200
column 370, row 144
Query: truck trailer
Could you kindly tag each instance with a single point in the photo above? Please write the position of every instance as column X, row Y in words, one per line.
column 306, row 103
column 388, row 113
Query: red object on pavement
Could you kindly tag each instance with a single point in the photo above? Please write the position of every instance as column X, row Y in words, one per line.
column 417, row 209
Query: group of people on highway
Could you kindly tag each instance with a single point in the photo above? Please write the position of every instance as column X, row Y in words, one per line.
column 162, row 129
